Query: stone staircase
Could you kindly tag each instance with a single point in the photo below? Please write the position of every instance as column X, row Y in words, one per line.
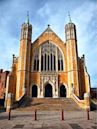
column 67, row 104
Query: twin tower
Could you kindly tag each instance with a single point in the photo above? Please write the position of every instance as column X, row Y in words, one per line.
column 48, row 50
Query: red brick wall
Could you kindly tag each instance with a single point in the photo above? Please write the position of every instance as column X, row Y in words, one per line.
column 3, row 78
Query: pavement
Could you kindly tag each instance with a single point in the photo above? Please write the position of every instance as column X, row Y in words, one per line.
column 48, row 120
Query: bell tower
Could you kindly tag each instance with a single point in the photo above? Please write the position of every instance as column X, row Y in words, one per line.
column 23, row 71
column 72, row 57
column 70, row 30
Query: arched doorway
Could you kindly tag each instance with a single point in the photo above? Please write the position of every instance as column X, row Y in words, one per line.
column 62, row 91
column 48, row 90
column 34, row 91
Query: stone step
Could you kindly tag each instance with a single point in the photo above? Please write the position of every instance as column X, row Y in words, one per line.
column 67, row 104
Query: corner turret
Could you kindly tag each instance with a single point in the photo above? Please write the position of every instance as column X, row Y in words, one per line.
column 26, row 30
column 22, row 87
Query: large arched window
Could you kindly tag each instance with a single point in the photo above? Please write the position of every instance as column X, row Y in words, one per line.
column 48, row 57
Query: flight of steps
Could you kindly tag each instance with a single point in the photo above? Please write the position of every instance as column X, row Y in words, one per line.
column 67, row 104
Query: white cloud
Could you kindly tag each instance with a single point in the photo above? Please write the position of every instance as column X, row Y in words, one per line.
column 54, row 12
column 8, row 43
column 84, row 17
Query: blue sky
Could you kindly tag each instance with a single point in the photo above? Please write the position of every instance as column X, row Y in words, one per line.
column 53, row 12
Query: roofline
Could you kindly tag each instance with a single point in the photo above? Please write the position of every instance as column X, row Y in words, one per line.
column 50, row 32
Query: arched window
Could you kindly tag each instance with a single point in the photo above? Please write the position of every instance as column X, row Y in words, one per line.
column 48, row 90
column 50, row 57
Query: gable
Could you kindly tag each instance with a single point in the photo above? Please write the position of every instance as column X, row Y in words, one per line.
column 49, row 35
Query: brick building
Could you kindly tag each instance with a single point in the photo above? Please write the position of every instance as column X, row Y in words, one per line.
column 48, row 67
column 93, row 92
column 3, row 78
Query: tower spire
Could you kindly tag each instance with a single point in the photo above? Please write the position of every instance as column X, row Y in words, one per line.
column 27, row 17
column 69, row 17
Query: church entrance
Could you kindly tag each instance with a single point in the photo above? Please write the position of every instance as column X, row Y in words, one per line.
column 62, row 91
column 48, row 90
column 34, row 91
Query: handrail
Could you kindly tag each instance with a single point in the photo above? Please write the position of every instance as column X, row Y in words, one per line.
column 77, row 98
column 94, row 101
column 80, row 103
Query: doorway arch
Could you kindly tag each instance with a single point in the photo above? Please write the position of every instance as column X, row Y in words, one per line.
column 34, row 91
column 48, row 90
column 63, row 91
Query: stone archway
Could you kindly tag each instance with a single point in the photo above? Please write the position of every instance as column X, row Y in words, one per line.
column 48, row 90
column 63, row 91
column 34, row 91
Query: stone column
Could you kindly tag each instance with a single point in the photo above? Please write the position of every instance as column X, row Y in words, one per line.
column 41, row 88
column 50, row 62
column 56, row 59
column 43, row 62
column 67, row 91
column 55, row 93
column 71, row 89
column 55, row 85
column 46, row 62
column 39, row 59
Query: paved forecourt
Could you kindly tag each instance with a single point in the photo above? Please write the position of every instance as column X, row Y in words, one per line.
column 48, row 120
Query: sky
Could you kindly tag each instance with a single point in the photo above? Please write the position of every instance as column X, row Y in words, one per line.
column 54, row 12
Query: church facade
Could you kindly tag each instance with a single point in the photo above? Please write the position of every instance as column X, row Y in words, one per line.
column 48, row 67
